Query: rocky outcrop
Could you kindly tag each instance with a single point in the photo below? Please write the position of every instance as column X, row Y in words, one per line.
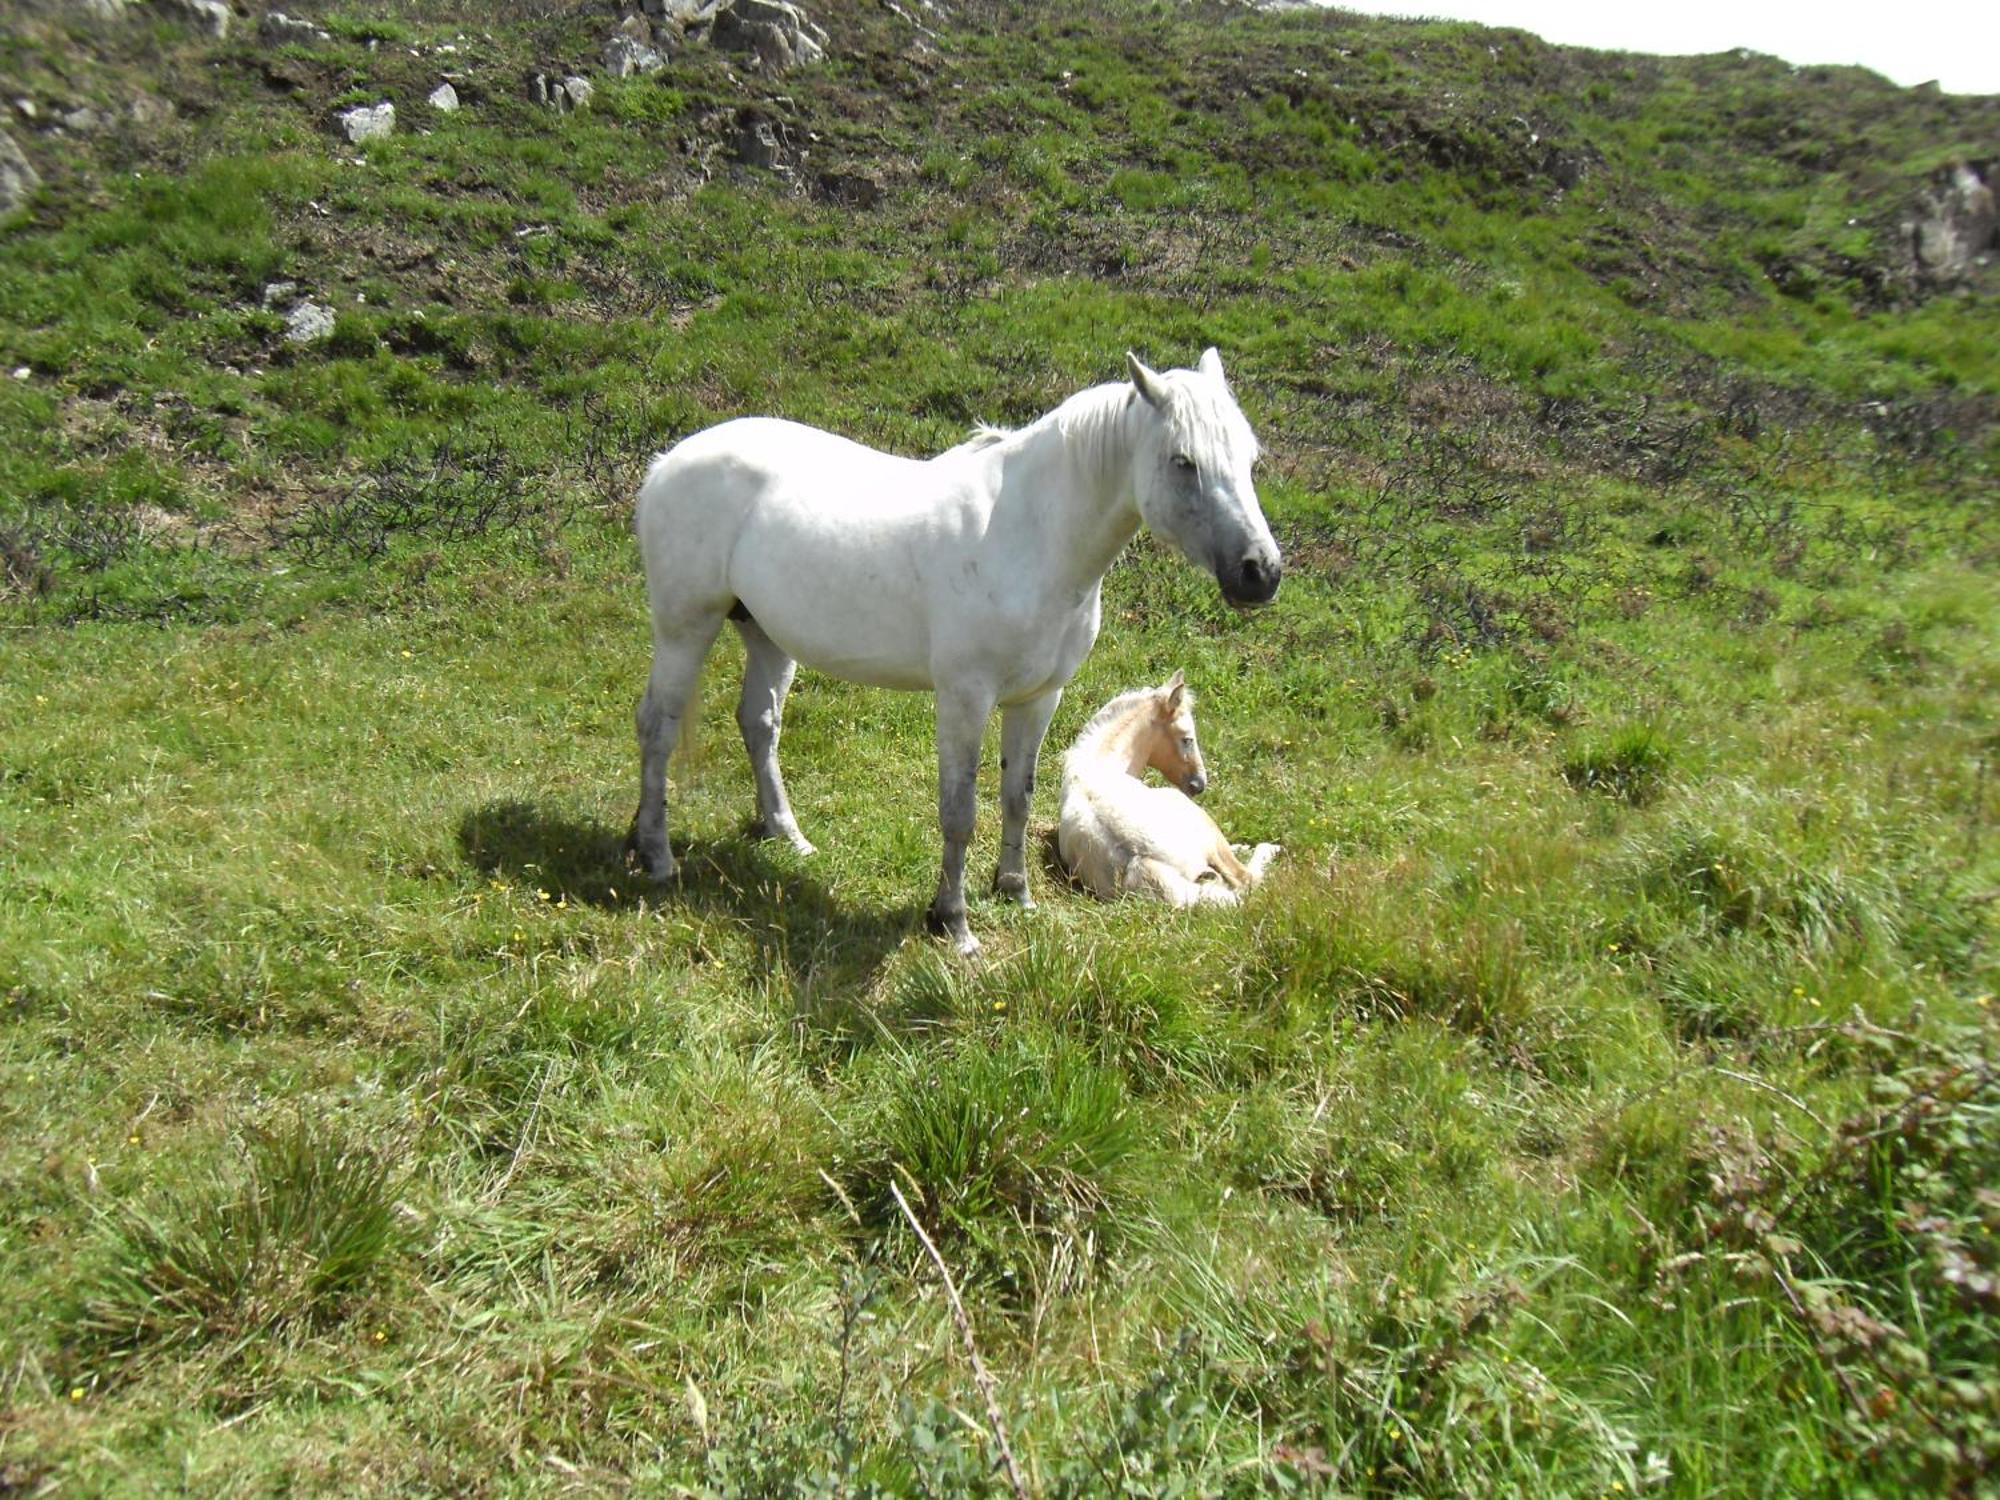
column 777, row 35
column 560, row 94
column 1953, row 229
column 18, row 178
column 444, row 99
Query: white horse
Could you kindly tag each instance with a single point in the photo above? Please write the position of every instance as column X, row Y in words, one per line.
column 973, row 575
column 1120, row 836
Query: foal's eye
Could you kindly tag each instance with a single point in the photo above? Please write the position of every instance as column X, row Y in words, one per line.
column 1183, row 462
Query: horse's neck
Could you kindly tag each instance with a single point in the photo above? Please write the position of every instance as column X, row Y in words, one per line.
column 1071, row 473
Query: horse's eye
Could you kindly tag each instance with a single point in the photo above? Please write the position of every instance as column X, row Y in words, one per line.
column 1182, row 461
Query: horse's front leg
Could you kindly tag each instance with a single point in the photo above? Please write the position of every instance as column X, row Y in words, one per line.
column 1022, row 727
column 961, row 719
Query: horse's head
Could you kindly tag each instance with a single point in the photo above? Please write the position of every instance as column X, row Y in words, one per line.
column 1191, row 474
column 1171, row 748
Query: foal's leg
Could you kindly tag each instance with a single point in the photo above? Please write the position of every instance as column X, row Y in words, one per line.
column 1155, row 877
column 1021, row 729
column 677, row 658
column 760, row 712
column 961, row 719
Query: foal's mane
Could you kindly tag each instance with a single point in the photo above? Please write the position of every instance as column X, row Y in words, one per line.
column 1115, row 714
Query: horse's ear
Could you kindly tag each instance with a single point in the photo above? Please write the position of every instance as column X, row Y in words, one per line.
column 1144, row 380
column 1211, row 366
column 1173, row 690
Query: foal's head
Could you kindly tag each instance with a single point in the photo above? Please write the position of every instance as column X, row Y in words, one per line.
column 1168, row 737
column 1191, row 474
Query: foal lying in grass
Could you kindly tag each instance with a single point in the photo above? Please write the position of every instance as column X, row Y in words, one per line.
column 1120, row 836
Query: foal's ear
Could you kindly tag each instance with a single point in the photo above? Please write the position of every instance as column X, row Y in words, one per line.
column 1147, row 383
column 1211, row 366
column 1173, row 690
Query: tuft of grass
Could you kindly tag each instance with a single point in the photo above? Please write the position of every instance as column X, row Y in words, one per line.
column 1017, row 1151
column 1632, row 765
column 285, row 1241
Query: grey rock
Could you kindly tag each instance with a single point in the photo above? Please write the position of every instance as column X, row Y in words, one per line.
column 18, row 177
column 308, row 323
column 148, row 110
column 624, row 56
column 682, row 13
column 278, row 293
column 444, row 99
column 1955, row 224
column 578, row 91
column 83, row 120
column 211, row 16
column 99, row 10
column 757, row 144
column 278, row 28
column 367, row 122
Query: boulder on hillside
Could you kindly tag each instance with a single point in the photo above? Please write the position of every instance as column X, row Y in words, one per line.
column 1953, row 228
column 308, row 323
column 685, row 14
column 625, row 56
column 18, row 178
column 367, row 122
column 444, row 99
column 277, row 28
column 211, row 16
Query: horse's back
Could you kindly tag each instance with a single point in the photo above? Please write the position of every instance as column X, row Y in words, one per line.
column 748, row 460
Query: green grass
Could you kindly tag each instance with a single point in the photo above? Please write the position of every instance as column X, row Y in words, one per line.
column 1598, row 1097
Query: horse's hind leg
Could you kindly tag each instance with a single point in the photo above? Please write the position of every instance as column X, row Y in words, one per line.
column 1022, row 728
column 677, row 658
column 760, row 713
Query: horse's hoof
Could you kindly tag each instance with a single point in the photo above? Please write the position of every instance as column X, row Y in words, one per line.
column 1014, row 888
column 661, row 869
column 954, row 927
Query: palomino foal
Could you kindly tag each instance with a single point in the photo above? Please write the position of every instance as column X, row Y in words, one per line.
column 973, row 575
column 1120, row 836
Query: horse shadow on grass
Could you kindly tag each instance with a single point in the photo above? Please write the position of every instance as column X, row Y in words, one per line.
column 825, row 953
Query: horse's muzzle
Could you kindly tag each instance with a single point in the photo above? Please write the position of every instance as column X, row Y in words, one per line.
column 1251, row 582
column 1195, row 785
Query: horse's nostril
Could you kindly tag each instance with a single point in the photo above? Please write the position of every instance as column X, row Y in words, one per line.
column 1259, row 579
column 1197, row 784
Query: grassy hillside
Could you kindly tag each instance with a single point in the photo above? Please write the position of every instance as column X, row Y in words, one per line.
column 1600, row 1097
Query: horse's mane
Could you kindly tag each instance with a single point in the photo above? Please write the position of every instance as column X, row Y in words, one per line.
column 1091, row 422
